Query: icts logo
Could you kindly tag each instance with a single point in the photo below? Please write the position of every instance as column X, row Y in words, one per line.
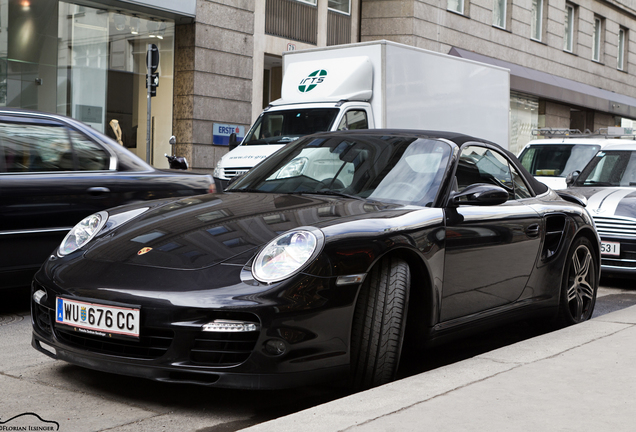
column 312, row 80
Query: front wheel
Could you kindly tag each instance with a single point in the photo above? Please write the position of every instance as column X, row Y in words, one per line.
column 580, row 283
column 378, row 324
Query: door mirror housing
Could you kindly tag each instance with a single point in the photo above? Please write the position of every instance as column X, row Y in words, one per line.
column 233, row 141
column 571, row 178
column 172, row 140
column 479, row 194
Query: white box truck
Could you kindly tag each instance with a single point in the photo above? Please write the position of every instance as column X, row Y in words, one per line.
column 377, row 84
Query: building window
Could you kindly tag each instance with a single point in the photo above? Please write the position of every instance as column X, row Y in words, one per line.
column 311, row 2
column 597, row 39
column 537, row 19
column 499, row 12
column 456, row 6
column 343, row 6
column 568, row 38
column 622, row 38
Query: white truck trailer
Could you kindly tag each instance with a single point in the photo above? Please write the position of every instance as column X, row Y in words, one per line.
column 377, row 84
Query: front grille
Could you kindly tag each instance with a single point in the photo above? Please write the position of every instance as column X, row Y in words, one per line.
column 42, row 317
column 233, row 172
column 616, row 226
column 222, row 349
column 152, row 344
column 618, row 263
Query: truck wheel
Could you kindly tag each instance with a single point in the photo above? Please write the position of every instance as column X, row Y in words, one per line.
column 378, row 324
column 580, row 283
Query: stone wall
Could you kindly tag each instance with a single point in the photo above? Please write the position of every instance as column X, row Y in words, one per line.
column 213, row 77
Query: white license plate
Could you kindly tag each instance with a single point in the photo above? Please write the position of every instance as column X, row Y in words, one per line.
column 610, row 248
column 96, row 319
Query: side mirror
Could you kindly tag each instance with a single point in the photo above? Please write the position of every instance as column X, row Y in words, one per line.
column 233, row 141
column 479, row 194
column 571, row 178
column 172, row 140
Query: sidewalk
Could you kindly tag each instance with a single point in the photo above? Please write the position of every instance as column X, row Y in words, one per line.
column 581, row 378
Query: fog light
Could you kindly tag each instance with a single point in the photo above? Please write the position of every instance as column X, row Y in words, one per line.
column 229, row 326
column 38, row 296
column 275, row 347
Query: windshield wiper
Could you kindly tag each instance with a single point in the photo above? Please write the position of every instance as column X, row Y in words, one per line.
column 597, row 183
column 247, row 190
column 333, row 193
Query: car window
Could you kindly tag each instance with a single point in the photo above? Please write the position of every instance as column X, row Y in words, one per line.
column 354, row 119
column 44, row 148
column 90, row 155
column 483, row 165
column 36, row 148
column 610, row 168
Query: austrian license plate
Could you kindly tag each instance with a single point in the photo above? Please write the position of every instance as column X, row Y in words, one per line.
column 610, row 248
column 97, row 319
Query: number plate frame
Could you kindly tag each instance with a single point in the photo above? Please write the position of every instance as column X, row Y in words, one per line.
column 114, row 321
column 612, row 249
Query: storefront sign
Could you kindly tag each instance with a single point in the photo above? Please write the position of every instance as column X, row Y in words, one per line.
column 221, row 133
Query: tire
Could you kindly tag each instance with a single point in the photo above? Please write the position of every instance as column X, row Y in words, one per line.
column 580, row 283
column 378, row 324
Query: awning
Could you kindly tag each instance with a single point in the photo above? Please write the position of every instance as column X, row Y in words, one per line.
column 181, row 11
column 552, row 87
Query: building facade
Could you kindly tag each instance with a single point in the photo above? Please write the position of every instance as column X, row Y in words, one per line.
column 573, row 63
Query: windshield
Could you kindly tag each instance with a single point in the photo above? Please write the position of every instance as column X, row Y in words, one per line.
column 403, row 170
column 279, row 127
column 557, row 160
column 610, row 168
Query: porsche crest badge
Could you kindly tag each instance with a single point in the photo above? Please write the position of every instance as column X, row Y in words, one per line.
column 144, row 250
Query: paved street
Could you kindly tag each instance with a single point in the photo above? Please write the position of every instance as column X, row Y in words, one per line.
column 84, row 400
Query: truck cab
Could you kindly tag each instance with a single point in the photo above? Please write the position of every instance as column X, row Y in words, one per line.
column 278, row 126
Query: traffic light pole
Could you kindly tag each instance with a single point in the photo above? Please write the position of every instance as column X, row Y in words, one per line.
column 148, row 95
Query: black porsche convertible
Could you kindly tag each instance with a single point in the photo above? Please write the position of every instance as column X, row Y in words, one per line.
column 324, row 262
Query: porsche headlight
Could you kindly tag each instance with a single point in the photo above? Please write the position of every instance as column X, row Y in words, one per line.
column 82, row 233
column 88, row 228
column 286, row 254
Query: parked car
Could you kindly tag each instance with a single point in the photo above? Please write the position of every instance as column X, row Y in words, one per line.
column 321, row 262
column 54, row 171
column 551, row 160
column 609, row 184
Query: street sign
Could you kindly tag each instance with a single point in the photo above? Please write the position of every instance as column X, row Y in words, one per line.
column 154, row 58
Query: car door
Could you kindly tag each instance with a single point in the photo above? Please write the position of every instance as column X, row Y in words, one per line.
column 490, row 250
column 50, row 178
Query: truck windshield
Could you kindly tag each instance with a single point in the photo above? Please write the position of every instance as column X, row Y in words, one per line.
column 557, row 160
column 280, row 127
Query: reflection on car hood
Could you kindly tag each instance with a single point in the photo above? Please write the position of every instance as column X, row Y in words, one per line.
column 202, row 231
column 609, row 201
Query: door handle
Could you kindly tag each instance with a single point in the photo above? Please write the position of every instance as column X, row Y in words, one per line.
column 533, row 230
column 98, row 191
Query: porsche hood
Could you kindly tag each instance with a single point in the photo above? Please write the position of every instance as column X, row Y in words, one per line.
column 198, row 232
